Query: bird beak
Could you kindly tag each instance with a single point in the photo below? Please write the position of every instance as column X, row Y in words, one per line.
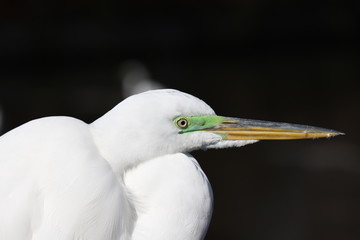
column 246, row 129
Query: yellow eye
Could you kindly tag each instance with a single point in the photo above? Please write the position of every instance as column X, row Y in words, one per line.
column 182, row 123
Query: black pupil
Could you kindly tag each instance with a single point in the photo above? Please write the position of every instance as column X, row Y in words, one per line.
column 182, row 123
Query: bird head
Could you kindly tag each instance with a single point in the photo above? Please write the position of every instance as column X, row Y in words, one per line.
column 160, row 122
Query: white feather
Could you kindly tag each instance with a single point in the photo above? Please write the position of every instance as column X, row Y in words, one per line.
column 125, row 176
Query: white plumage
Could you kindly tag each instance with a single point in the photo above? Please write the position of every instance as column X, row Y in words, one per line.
column 128, row 175
column 61, row 178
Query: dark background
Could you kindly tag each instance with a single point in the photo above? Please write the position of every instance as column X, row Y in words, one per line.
column 274, row 60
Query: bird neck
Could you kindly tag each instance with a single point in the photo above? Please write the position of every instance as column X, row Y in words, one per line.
column 172, row 198
column 114, row 152
column 118, row 143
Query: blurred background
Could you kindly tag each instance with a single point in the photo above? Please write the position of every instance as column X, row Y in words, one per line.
column 291, row 61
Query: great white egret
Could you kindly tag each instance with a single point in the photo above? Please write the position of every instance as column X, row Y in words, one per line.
column 128, row 175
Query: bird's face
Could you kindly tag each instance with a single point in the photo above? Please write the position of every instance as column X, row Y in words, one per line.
column 162, row 116
column 160, row 122
column 179, row 122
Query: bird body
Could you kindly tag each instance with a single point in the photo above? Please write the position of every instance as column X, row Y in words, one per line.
column 126, row 176
column 53, row 192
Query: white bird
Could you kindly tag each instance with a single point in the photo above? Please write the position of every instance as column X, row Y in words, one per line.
column 128, row 175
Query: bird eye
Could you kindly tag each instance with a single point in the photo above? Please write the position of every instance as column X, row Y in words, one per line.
column 182, row 123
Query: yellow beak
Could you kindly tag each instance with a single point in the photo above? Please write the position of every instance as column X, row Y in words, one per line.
column 246, row 129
